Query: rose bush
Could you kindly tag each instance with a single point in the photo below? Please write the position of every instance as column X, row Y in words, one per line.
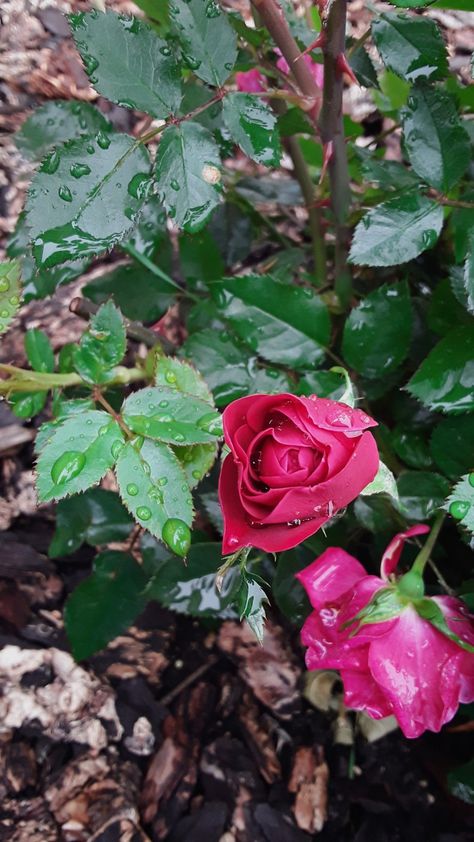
column 294, row 463
column 392, row 660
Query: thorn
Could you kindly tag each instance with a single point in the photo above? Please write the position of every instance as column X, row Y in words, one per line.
column 320, row 41
column 328, row 149
column 343, row 66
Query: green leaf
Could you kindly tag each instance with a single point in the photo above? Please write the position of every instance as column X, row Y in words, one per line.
column 324, row 384
column 196, row 461
column 411, row 4
column 387, row 174
column 10, row 291
column 288, row 592
column 38, row 283
column 153, row 486
column 170, row 416
column 54, row 123
column 105, row 604
column 452, row 445
column 460, row 503
column 363, row 68
column 445, row 379
column 252, row 125
column 377, row 333
column 411, row 447
column 231, row 229
column 229, row 369
column 411, row 47
column 421, row 493
column 397, row 231
column 27, row 404
column 77, row 454
column 85, row 196
column 139, row 294
column 284, row 324
column 461, row 782
column 127, row 62
column 383, row 483
column 437, row 144
column 39, row 351
column 188, row 174
column 96, row 517
column 182, row 376
column 191, row 589
column 469, row 274
column 208, row 40
column 249, row 600
column 200, row 258
column 445, row 311
column 462, row 224
column 102, row 346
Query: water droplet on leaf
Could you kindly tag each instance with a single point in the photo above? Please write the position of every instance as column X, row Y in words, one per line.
column 177, row 535
column 132, row 489
column 69, row 465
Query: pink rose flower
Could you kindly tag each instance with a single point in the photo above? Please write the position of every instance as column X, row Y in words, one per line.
column 294, row 463
column 402, row 665
column 250, row 81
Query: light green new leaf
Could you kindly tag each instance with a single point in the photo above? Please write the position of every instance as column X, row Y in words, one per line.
column 207, row 38
column 460, row 503
column 445, row 379
column 168, row 415
column 437, row 144
column 85, row 197
column 153, row 486
column 77, row 454
column 252, row 125
column 10, row 291
column 182, row 376
column 127, row 62
column 383, row 483
column 396, row 231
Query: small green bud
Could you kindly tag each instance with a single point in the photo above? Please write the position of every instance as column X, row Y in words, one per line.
column 411, row 585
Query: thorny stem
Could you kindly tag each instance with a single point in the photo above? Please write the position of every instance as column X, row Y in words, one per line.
column 23, row 380
column 332, row 131
column 424, row 554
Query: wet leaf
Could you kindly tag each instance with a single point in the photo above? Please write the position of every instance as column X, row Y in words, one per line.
column 84, row 199
column 188, row 174
column 105, row 604
column 452, row 445
column 284, row 324
column 102, row 346
column 95, row 517
column 437, row 144
column 460, row 503
column 397, row 231
column 208, row 41
column 10, row 291
column 445, row 379
column 410, row 46
column 252, row 125
column 77, row 454
column 153, row 486
column 168, row 415
column 54, row 123
column 39, row 351
column 421, row 493
column 383, row 483
column 127, row 62
column 378, row 332
column 182, row 376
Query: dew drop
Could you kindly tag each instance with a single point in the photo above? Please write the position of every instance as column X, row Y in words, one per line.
column 155, row 494
column 78, row 170
column 69, row 465
column 90, row 63
column 146, row 468
column 103, row 140
column 177, row 535
column 132, row 489
column 65, row 193
column 51, row 163
column 211, row 423
column 144, row 513
column 459, row 509
column 4, row 285
column 196, row 474
column 163, row 404
column 162, row 481
column 116, row 448
column 174, row 184
column 170, row 377
column 178, row 437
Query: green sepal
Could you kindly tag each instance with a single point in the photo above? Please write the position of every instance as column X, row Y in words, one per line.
column 429, row 610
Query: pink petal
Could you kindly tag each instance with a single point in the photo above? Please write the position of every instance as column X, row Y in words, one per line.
column 417, row 669
column 393, row 552
column 362, row 693
column 250, row 81
column 330, row 576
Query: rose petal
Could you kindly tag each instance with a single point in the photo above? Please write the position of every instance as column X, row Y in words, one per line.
column 393, row 552
column 330, row 576
column 362, row 693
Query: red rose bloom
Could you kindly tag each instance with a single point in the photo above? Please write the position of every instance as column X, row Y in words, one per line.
column 294, row 463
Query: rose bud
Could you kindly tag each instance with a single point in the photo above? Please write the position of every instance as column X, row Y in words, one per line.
column 294, row 463
column 398, row 652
